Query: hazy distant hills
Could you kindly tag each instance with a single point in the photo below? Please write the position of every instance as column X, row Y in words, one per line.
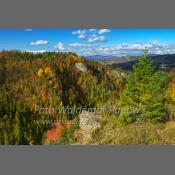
column 99, row 57
column 165, row 62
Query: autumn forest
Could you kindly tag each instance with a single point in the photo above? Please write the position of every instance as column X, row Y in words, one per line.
column 63, row 98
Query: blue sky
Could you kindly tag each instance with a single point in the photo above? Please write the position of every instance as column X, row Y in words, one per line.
column 118, row 42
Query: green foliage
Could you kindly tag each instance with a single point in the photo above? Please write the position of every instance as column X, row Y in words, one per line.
column 67, row 135
column 137, row 133
column 144, row 93
column 6, row 139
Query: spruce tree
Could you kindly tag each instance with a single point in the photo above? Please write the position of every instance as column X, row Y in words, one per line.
column 143, row 97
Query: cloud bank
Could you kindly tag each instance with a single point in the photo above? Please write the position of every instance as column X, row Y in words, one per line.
column 39, row 42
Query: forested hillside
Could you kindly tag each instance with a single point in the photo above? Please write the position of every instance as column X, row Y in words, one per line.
column 43, row 97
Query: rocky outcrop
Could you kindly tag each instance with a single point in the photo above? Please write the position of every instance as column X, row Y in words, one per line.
column 88, row 122
column 81, row 67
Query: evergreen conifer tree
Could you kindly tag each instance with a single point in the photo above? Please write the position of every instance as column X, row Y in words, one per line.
column 143, row 97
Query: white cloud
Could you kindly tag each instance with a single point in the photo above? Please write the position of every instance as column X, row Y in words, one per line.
column 94, row 38
column 39, row 42
column 91, row 35
column 79, row 32
column 124, row 49
column 79, row 45
column 132, row 46
column 76, row 32
column 36, row 51
column 88, row 53
column 59, row 46
column 28, row 30
column 92, row 30
column 101, row 31
column 158, row 52
column 82, row 36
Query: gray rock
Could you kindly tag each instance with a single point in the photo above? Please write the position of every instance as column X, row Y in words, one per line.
column 81, row 67
column 88, row 122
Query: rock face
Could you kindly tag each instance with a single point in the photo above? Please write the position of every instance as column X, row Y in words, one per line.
column 88, row 122
column 81, row 67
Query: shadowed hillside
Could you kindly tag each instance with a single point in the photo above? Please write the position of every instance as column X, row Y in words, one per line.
column 163, row 62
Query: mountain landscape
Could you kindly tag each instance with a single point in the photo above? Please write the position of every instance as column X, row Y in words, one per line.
column 63, row 98
column 87, row 86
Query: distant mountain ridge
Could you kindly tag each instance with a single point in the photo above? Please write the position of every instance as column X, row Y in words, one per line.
column 99, row 57
column 165, row 62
